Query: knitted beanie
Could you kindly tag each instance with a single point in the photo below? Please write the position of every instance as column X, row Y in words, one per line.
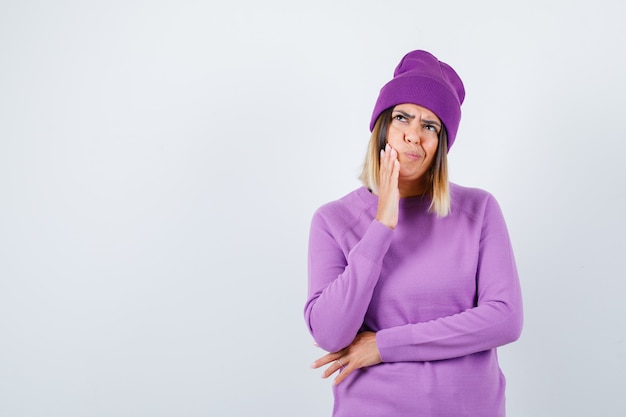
column 420, row 78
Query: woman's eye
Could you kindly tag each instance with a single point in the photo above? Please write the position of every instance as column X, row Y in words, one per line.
column 432, row 128
column 399, row 117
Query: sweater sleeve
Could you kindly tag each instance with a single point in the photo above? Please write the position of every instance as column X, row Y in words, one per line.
column 495, row 320
column 341, row 287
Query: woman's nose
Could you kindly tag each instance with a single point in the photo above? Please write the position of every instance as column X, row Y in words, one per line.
column 412, row 136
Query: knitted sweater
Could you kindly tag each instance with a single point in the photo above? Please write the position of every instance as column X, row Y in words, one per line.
column 441, row 294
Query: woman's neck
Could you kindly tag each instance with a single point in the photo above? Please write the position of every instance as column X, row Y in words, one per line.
column 412, row 189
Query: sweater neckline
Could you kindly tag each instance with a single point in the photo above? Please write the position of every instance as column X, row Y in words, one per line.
column 371, row 199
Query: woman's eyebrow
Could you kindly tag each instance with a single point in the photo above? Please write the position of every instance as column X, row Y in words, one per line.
column 405, row 114
column 412, row 116
column 431, row 122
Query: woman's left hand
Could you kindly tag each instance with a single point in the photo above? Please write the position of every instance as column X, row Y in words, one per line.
column 362, row 352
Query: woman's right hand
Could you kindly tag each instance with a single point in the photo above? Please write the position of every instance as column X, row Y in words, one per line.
column 388, row 192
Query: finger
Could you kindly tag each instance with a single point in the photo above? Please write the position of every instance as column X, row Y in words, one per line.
column 345, row 371
column 385, row 153
column 389, row 158
column 393, row 168
column 396, row 171
column 386, row 168
column 393, row 154
column 326, row 359
column 334, row 367
column 384, row 157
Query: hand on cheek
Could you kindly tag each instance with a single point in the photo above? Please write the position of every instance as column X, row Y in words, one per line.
column 388, row 192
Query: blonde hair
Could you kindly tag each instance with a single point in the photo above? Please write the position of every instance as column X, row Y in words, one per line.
column 437, row 174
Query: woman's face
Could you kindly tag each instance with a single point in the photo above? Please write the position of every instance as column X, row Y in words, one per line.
column 414, row 134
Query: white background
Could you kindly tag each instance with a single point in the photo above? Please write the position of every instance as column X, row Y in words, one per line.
column 160, row 162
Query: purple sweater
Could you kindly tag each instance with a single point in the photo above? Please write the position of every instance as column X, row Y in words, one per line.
column 441, row 294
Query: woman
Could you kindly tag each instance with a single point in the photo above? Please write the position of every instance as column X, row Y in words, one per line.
column 412, row 280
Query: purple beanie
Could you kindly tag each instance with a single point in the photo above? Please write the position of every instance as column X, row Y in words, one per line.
column 422, row 79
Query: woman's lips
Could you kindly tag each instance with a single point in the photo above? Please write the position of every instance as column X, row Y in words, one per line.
column 413, row 156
